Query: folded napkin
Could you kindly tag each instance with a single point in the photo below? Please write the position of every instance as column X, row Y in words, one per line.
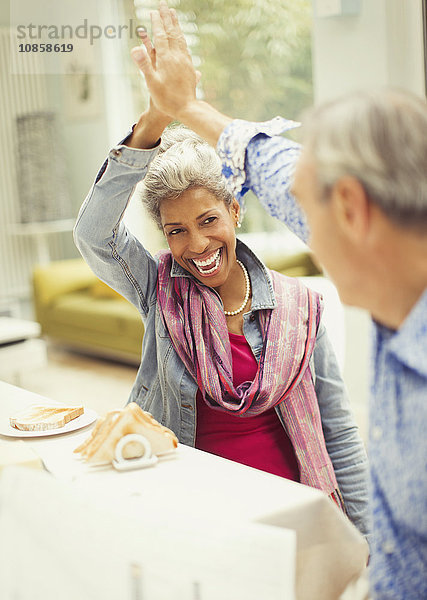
column 17, row 453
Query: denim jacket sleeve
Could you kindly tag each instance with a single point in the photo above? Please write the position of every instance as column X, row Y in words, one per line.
column 343, row 442
column 109, row 248
column 254, row 156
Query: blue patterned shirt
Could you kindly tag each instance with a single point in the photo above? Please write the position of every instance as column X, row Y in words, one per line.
column 255, row 157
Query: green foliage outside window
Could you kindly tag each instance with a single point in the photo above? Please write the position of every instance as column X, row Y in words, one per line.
column 255, row 55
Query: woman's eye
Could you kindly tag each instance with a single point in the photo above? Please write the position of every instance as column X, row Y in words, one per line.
column 174, row 231
column 209, row 220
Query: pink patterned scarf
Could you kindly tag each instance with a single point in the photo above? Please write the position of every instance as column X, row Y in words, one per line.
column 194, row 317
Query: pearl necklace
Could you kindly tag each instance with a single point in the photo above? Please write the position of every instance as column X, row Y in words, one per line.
column 231, row 313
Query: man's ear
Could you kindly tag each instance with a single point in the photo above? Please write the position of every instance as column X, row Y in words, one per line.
column 351, row 206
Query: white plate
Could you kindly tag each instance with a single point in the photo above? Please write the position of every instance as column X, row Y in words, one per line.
column 88, row 417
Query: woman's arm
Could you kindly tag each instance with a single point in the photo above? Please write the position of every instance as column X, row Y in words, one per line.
column 343, row 442
column 108, row 247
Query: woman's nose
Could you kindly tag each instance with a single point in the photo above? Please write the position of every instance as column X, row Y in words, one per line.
column 198, row 242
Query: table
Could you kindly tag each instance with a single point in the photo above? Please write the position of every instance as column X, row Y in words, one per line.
column 19, row 347
column 213, row 497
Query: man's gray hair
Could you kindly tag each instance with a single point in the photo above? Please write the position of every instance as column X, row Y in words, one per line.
column 380, row 138
column 184, row 161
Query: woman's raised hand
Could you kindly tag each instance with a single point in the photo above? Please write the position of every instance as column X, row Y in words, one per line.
column 153, row 121
column 171, row 77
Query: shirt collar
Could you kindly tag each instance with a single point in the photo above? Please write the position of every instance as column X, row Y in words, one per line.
column 262, row 285
column 409, row 342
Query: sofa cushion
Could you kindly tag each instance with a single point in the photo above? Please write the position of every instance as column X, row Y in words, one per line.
column 101, row 290
column 61, row 277
column 84, row 311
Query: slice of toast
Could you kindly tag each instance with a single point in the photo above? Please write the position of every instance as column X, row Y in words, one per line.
column 100, row 447
column 44, row 418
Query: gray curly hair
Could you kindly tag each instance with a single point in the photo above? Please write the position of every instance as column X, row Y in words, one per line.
column 184, row 161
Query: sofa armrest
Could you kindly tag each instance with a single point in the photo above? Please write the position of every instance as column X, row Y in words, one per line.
column 293, row 265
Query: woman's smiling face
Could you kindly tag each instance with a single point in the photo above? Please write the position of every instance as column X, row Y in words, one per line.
column 200, row 230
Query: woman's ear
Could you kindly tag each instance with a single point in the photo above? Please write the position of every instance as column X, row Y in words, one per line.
column 235, row 211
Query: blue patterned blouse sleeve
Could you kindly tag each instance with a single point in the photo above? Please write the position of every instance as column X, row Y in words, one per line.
column 254, row 156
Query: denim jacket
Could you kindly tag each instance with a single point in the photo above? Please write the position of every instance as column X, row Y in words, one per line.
column 163, row 386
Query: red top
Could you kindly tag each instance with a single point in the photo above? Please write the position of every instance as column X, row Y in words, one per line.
column 259, row 441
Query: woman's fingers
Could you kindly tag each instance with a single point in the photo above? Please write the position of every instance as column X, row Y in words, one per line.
column 174, row 18
column 145, row 39
column 167, row 32
column 160, row 37
column 180, row 39
column 171, row 26
column 150, row 49
column 165, row 15
column 143, row 60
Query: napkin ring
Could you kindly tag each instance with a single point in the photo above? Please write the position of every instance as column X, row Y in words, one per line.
column 148, row 459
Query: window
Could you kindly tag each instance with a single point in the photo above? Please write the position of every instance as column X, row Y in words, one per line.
column 255, row 61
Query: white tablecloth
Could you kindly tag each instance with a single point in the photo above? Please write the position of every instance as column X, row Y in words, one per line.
column 206, row 493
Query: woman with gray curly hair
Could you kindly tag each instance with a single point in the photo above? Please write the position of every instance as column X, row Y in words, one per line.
column 184, row 161
column 235, row 359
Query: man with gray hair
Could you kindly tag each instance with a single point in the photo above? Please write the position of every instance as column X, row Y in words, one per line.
column 361, row 180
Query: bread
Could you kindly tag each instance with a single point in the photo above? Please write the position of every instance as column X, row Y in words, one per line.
column 43, row 418
column 100, row 447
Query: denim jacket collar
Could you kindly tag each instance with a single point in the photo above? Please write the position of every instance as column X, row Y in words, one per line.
column 262, row 286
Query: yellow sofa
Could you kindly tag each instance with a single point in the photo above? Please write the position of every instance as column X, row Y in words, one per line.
column 77, row 309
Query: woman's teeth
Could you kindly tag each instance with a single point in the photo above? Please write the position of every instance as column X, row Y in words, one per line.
column 213, row 260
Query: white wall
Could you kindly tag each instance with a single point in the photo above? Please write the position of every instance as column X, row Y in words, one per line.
column 87, row 134
column 382, row 45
